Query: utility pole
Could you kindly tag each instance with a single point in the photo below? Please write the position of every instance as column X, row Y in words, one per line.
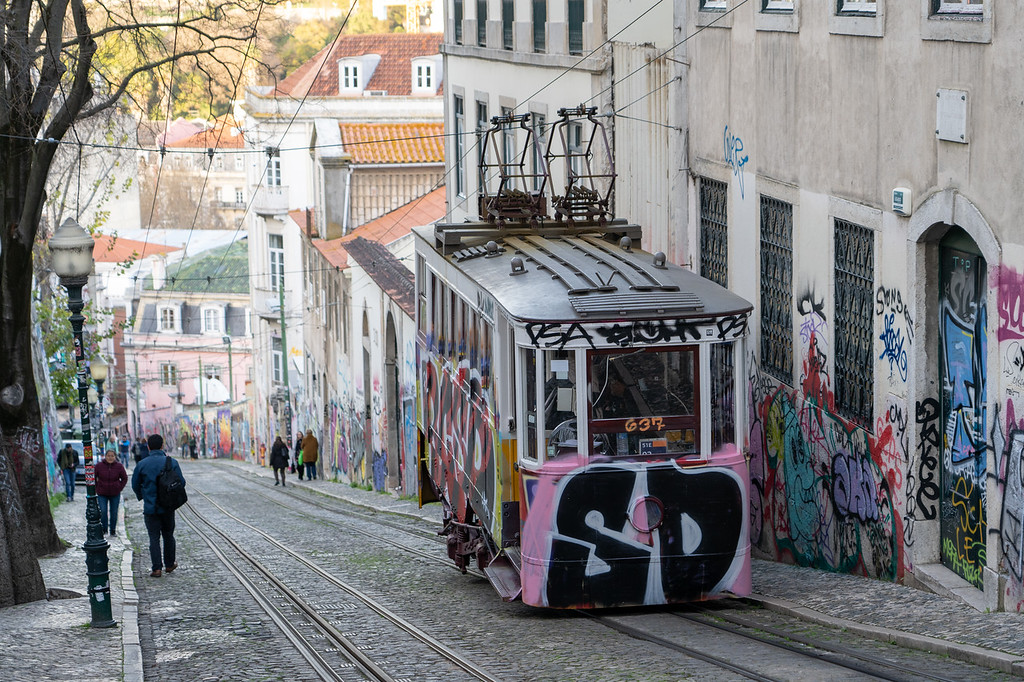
column 202, row 412
column 231, row 394
column 284, row 365
column 138, row 389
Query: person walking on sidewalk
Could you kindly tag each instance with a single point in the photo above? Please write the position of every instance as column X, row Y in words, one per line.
column 111, row 478
column 279, row 460
column 67, row 462
column 310, row 454
column 141, row 450
column 125, row 446
column 159, row 522
column 298, row 456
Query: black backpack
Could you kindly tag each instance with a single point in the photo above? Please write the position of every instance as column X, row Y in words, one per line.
column 170, row 488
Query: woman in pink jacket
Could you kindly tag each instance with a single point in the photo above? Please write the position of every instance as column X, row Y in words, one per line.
column 110, row 481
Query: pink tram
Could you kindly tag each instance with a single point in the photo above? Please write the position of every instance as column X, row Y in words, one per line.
column 579, row 399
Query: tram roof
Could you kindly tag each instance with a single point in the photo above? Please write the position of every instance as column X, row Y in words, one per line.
column 581, row 273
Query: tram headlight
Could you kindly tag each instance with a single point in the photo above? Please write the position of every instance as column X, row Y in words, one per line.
column 647, row 514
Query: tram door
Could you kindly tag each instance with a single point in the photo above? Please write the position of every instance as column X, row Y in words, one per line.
column 962, row 323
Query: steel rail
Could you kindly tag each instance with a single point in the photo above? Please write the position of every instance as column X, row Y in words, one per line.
column 323, row 669
column 372, row 604
column 809, row 642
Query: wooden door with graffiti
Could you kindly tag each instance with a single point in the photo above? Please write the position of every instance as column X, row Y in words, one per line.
column 962, row 320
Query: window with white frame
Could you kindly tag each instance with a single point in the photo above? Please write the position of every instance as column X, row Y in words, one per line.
column 958, row 7
column 460, row 162
column 239, row 162
column 168, row 318
column 274, row 171
column 712, row 5
column 482, row 125
column 213, row 320
column 212, row 371
column 276, row 247
column 508, row 143
column 858, row 7
column 239, row 195
column 349, row 72
column 540, row 145
column 777, row 5
column 168, row 374
column 423, row 78
column 218, row 162
column 277, row 360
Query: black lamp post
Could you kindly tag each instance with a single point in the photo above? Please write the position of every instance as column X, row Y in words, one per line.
column 71, row 251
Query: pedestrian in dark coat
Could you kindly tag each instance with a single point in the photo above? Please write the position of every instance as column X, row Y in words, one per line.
column 279, row 460
column 111, row 478
column 141, row 450
column 67, row 462
column 298, row 456
column 159, row 521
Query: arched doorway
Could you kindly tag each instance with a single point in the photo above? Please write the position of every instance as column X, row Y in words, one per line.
column 962, row 353
column 392, row 406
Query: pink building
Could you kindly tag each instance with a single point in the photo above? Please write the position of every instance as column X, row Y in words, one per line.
column 190, row 353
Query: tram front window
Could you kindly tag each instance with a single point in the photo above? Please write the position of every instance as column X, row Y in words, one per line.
column 643, row 402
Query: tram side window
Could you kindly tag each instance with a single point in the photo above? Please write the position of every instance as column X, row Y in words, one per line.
column 528, row 367
column 559, row 388
column 723, row 398
column 434, row 328
column 421, row 295
column 458, row 348
column 643, row 402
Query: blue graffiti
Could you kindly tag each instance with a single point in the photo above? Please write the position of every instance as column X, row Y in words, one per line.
column 733, row 151
column 380, row 470
column 892, row 347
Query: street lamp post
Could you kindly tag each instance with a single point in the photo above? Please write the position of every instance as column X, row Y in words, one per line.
column 71, row 250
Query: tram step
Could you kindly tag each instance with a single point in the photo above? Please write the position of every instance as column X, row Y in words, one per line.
column 504, row 576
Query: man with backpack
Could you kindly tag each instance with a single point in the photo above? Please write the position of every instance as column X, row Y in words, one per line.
column 159, row 483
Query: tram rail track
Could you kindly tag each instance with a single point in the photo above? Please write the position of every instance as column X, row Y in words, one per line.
column 807, row 647
column 375, row 606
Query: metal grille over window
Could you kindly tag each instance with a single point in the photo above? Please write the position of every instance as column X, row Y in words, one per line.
column 854, row 268
column 723, row 400
column 714, row 235
column 777, row 288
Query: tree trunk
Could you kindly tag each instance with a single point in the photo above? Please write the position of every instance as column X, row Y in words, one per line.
column 28, row 526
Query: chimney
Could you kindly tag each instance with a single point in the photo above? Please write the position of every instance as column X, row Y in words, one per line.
column 159, row 272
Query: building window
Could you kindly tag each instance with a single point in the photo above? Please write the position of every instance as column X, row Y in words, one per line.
column 777, row 5
column 349, row 75
column 425, row 77
column 274, row 171
column 457, row 20
column 508, row 14
column 460, row 162
column 482, row 124
column 777, row 289
column 239, row 195
column 857, row 7
column 953, row 7
column 276, row 243
column 577, row 154
column 714, row 233
column 481, row 23
column 508, row 144
column 276, row 360
column 212, row 320
column 575, row 17
column 212, row 371
column 168, row 319
column 540, row 18
column 712, row 6
column 854, row 284
column 540, row 145
column 239, row 162
column 168, row 374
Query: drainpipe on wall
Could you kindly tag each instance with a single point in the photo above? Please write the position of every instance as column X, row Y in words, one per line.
column 348, row 200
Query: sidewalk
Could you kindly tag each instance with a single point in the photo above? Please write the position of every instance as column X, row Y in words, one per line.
column 870, row 608
column 52, row 639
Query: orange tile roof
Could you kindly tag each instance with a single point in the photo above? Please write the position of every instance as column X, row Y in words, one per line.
column 393, row 74
column 388, row 228
column 225, row 134
column 393, row 142
column 112, row 249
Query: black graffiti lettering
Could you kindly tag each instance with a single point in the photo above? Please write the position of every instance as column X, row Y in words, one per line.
column 649, row 332
column 807, row 305
column 556, row 335
column 698, row 540
column 928, row 445
column 732, row 327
